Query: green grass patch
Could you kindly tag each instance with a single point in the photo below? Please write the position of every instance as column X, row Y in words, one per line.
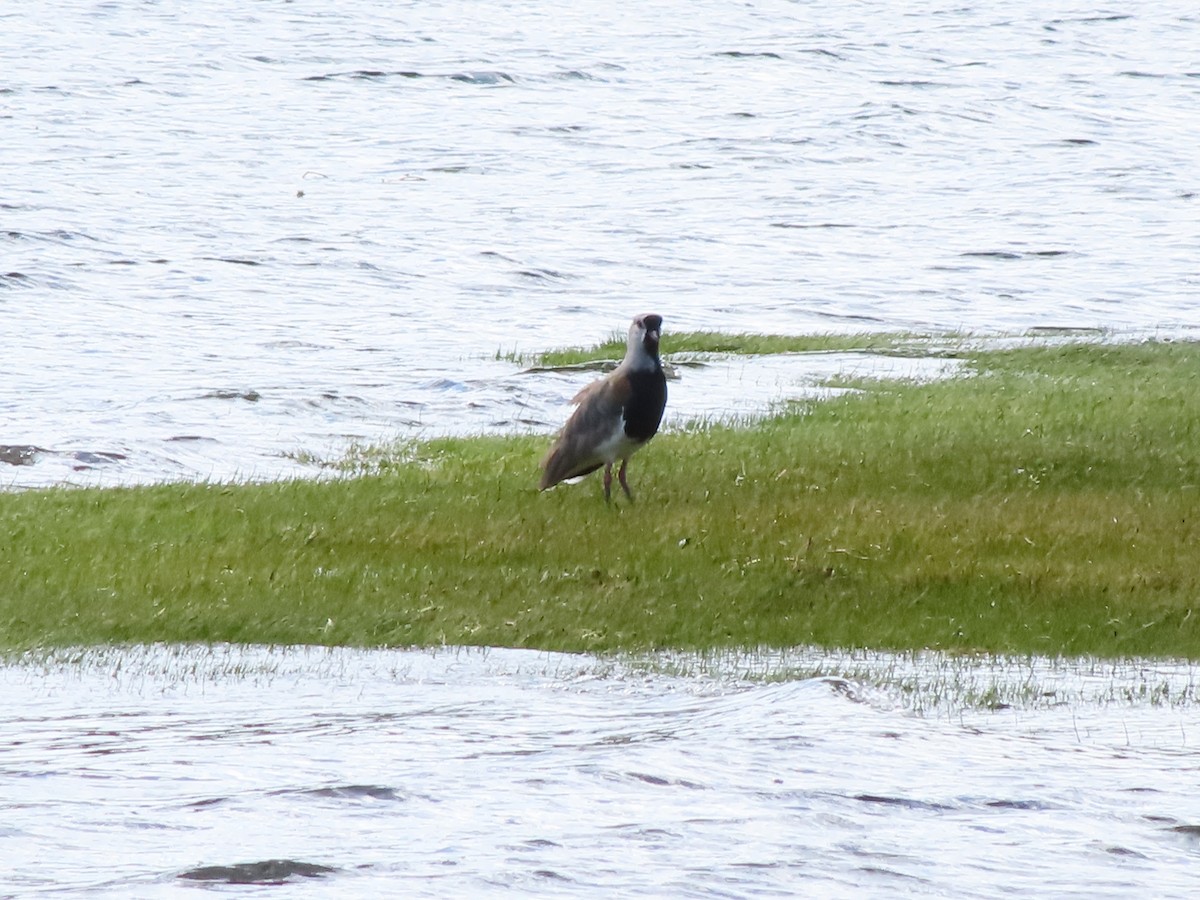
column 1045, row 504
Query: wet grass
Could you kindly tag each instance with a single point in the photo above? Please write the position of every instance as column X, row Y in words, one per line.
column 1046, row 505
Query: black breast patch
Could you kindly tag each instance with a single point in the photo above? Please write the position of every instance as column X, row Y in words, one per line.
column 647, row 400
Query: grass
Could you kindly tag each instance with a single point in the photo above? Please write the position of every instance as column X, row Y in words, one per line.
column 1046, row 505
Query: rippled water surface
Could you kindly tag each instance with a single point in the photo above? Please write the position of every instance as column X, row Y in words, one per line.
column 465, row 773
column 234, row 231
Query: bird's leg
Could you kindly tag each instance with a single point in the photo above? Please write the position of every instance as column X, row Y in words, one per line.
column 621, row 478
column 608, row 482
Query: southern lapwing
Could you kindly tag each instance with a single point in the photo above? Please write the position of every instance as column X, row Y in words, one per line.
column 614, row 416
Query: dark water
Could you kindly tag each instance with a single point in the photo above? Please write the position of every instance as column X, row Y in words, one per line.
column 465, row 773
column 233, row 232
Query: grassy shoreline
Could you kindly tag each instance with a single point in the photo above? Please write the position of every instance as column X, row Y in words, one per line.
column 1045, row 505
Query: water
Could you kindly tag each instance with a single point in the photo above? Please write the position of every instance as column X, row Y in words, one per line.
column 231, row 234
column 132, row 773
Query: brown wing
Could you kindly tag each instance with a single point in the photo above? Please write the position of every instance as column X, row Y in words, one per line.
column 596, row 418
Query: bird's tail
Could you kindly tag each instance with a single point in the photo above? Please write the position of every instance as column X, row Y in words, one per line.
column 559, row 464
column 552, row 468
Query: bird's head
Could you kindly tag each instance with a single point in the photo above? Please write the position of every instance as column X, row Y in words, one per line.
column 644, row 334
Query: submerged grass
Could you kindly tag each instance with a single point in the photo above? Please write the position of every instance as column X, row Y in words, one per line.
column 1046, row 505
column 704, row 342
column 929, row 683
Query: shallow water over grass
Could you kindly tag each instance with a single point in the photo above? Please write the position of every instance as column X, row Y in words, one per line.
column 488, row 397
column 404, row 773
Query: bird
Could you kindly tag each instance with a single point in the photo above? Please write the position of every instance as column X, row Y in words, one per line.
column 614, row 416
